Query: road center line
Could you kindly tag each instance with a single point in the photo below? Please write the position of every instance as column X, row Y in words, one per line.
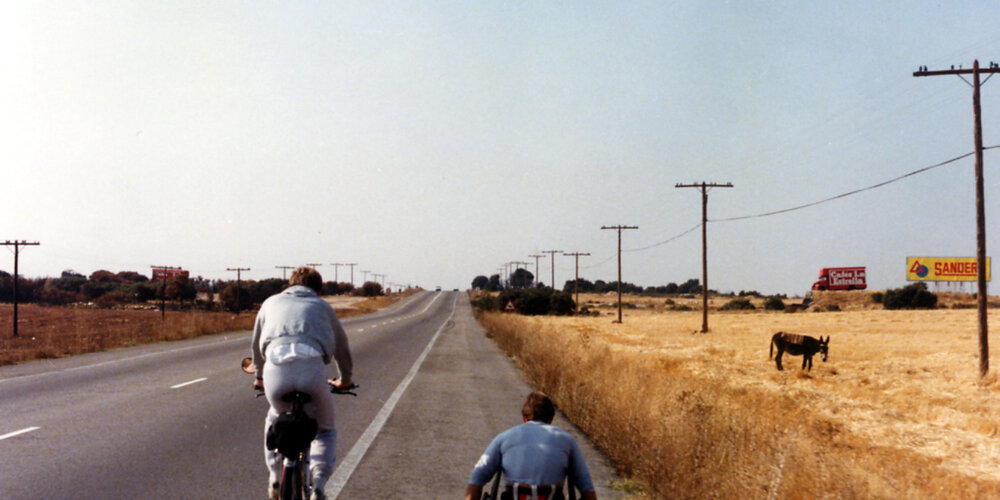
column 353, row 458
column 18, row 433
column 195, row 381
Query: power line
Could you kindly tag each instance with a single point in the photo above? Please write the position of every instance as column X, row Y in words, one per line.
column 797, row 207
column 850, row 193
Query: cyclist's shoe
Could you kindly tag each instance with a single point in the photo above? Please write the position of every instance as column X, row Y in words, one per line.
column 274, row 491
column 317, row 495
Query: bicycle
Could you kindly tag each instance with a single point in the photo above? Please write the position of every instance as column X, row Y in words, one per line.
column 291, row 435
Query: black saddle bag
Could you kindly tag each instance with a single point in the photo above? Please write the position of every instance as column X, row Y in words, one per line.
column 291, row 433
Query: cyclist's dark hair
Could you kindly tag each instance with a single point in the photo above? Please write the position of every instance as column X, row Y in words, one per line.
column 539, row 407
column 307, row 276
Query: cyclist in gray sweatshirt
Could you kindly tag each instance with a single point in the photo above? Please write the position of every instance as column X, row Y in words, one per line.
column 295, row 336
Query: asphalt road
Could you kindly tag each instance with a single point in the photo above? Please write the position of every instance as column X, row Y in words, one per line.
column 179, row 420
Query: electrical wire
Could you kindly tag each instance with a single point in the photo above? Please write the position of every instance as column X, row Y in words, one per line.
column 850, row 193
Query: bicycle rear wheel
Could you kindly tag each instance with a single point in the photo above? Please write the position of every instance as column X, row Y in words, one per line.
column 292, row 484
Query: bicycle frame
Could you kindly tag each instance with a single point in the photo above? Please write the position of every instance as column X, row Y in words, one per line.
column 295, row 469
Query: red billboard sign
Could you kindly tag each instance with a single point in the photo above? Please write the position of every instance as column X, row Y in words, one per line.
column 165, row 273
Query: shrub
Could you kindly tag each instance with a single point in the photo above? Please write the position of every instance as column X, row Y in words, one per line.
column 537, row 301
column 485, row 303
column 914, row 296
column 774, row 303
column 737, row 305
column 114, row 298
column 371, row 289
column 877, row 297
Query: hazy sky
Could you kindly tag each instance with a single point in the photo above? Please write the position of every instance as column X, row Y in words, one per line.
column 435, row 141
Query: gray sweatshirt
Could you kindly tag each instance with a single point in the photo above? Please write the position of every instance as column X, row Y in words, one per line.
column 298, row 315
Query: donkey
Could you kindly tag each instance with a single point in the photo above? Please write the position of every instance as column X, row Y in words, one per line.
column 798, row 345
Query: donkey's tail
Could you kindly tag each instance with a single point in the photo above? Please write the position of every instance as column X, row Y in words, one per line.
column 770, row 351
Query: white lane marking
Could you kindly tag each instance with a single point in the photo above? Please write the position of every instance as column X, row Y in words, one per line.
column 195, row 381
column 241, row 338
column 353, row 458
column 18, row 433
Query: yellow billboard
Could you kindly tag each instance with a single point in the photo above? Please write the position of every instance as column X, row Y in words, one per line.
column 944, row 269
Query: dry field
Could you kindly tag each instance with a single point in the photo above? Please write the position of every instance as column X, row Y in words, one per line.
column 898, row 411
column 55, row 332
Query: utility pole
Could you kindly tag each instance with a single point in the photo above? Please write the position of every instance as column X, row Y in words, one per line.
column 619, row 228
column 313, row 265
column 352, row 271
column 365, row 276
column 163, row 288
column 17, row 250
column 576, row 281
column 553, row 254
column 238, row 271
column 704, row 245
column 984, row 350
column 284, row 271
column 536, row 257
column 336, row 270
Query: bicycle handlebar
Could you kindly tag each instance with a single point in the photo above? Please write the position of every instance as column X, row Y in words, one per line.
column 333, row 390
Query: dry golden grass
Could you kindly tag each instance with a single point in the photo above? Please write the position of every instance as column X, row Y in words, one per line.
column 55, row 332
column 897, row 411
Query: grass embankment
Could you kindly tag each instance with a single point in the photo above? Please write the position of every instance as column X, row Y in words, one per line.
column 56, row 332
column 897, row 412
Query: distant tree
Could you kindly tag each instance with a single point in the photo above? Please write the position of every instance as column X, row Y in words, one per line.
column 68, row 283
column 774, row 303
column 143, row 291
column 584, row 286
column 371, row 289
column 103, row 276
column 914, row 296
column 495, row 284
column 91, row 290
column 690, row 286
column 229, row 296
column 521, row 278
column 180, row 288
column 480, row 282
column 261, row 290
column 130, row 276
column 736, row 305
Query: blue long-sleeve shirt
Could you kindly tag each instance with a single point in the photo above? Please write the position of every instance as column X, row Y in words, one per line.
column 533, row 453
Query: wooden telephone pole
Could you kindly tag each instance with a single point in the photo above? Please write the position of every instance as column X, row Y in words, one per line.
column 238, row 271
column 336, row 270
column 536, row 257
column 704, row 245
column 284, row 271
column 17, row 250
column 576, row 280
column 984, row 350
column 553, row 254
column 351, row 265
column 619, row 228
column 163, row 287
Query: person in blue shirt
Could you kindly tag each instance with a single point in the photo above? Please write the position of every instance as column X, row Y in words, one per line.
column 534, row 456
